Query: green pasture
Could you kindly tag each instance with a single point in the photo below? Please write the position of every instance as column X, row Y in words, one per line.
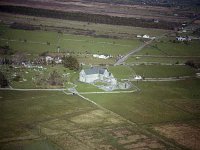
column 192, row 49
column 168, row 48
column 36, row 42
column 85, row 87
column 31, row 145
column 22, row 111
column 29, row 48
column 31, row 36
column 157, row 102
column 159, row 71
column 86, row 44
column 121, row 72
column 99, row 29
column 125, row 30
column 149, row 50
column 151, row 71
column 169, row 60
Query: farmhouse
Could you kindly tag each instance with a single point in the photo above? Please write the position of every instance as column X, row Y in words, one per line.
column 96, row 74
column 101, row 56
column 138, row 77
column 146, row 36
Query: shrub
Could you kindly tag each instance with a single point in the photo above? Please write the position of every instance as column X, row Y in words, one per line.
column 71, row 63
column 3, row 81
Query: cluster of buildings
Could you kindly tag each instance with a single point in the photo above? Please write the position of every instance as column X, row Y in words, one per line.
column 50, row 59
column 95, row 74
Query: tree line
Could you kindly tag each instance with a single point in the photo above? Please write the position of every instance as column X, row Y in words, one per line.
column 95, row 18
column 24, row 26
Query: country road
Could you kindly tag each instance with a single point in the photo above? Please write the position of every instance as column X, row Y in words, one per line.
column 17, row 89
column 120, row 61
column 71, row 91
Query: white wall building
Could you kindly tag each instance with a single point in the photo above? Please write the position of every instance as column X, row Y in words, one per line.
column 101, row 56
column 94, row 74
column 146, row 36
column 138, row 36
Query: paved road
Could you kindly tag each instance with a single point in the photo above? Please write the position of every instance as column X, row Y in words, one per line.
column 14, row 89
column 71, row 91
column 120, row 61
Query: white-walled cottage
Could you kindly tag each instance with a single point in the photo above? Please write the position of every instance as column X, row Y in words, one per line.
column 146, row 36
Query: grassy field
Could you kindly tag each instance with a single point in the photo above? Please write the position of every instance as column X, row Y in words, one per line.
column 68, row 25
column 169, row 60
column 59, row 121
column 84, row 87
column 121, row 72
column 23, row 115
column 151, row 71
column 20, row 110
column 67, row 120
column 39, row 144
column 156, row 103
column 36, row 42
column 86, row 44
column 36, row 36
column 158, row 71
column 172, row 49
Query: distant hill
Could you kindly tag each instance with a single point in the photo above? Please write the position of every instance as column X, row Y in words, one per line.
column 148, row 14
column 152, row 2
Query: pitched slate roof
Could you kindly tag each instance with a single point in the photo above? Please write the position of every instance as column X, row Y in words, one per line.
column 94, row 70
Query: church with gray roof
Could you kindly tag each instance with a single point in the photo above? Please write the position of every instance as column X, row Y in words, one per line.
column 95, row 74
